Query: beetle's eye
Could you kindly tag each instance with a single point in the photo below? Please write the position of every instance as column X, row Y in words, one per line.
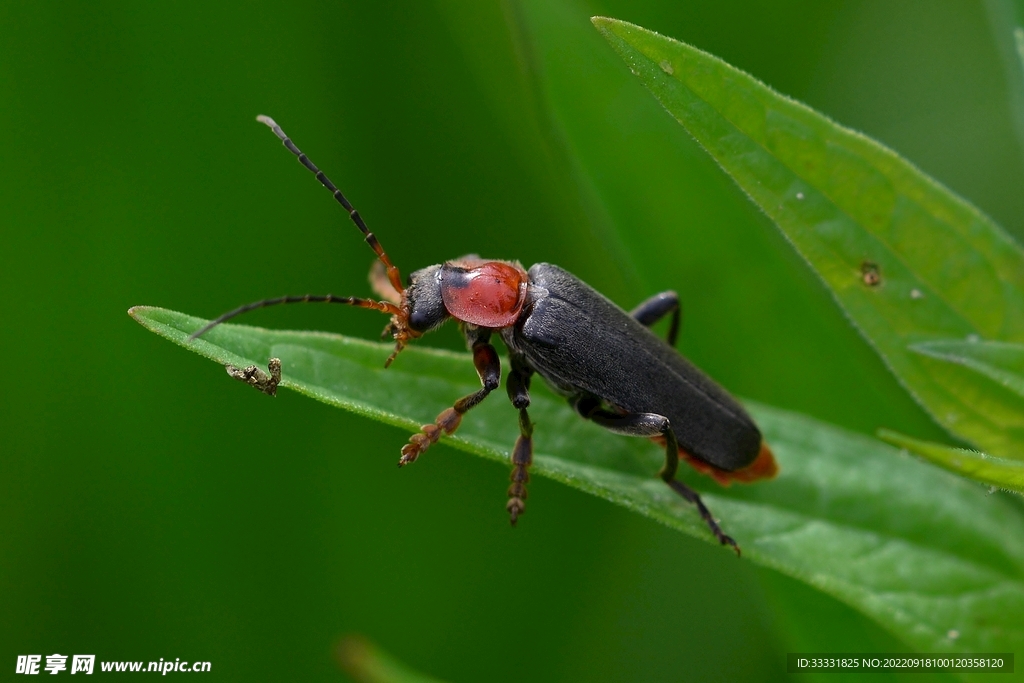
column 424, row 318
column 489, row 295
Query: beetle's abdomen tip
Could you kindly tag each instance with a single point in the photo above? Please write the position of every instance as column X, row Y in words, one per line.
column 763, row 467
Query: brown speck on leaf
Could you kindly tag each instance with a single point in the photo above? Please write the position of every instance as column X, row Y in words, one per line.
column 870, row 274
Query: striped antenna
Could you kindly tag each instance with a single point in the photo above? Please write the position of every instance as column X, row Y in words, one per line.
column 371, row 239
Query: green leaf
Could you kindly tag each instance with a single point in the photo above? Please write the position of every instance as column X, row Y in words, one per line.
column 1018, row 41
column 1002, row 362
column 922, row 552
column 907, row 260
column 367, row 663
column 1004, row 22
column 988, row 469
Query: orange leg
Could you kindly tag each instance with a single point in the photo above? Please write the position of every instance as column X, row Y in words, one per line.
column 488, row 367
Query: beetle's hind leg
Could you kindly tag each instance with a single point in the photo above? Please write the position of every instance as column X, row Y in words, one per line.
column 657, row 307
column 653, row 425
column 705, row 514
column 488, row 367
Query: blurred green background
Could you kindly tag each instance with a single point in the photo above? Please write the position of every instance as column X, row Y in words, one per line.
column 150, row 507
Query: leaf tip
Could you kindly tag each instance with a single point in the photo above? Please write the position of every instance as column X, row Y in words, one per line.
column 137, row 312
column 606, row 25
column 888, row 435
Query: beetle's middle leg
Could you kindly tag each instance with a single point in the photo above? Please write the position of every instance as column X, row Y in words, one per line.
column 654, row 425
column 488, row 367
column 657, row 307
column 518, row 386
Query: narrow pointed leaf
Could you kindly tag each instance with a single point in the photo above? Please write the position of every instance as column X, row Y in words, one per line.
column 917, row 549
column 987, row 469
column 998, row 388
column 907, row 259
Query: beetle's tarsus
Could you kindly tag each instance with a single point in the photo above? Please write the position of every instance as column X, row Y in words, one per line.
column 705, row 514
column 522, row 458
column 515, row 507
column 256, row 378
column 446, row 423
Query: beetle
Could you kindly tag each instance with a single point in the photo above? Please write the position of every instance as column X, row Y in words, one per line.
column 608, row 363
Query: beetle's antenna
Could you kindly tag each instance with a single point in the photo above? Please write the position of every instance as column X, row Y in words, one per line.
column 382, row 306
column 371, row 239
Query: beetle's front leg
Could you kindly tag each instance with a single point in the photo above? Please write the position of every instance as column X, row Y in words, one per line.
column 518, row 386
column 488, row 367
column 657, row 307
column 653, row 425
